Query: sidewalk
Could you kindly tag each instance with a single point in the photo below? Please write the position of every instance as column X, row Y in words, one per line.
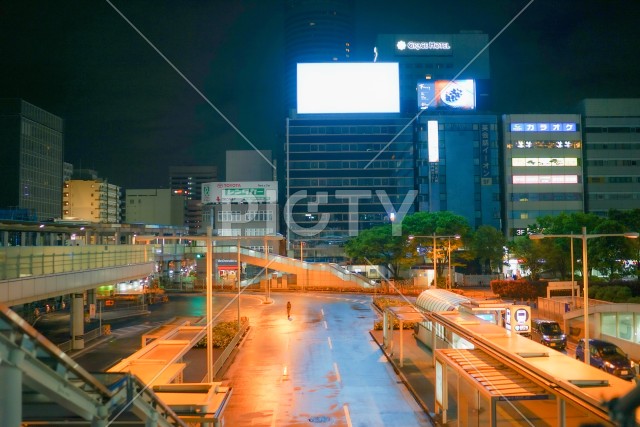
column 417, row 369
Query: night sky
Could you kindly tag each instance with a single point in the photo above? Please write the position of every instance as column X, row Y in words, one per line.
column 129, row 115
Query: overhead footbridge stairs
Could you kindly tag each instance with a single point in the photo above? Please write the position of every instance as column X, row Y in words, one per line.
column 311, row 274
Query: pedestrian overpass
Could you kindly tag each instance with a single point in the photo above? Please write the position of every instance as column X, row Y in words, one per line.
column 309, row 274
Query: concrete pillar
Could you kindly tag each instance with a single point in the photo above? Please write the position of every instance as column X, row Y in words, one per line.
column 77, row 321
column 91, row 296
column 11, row 390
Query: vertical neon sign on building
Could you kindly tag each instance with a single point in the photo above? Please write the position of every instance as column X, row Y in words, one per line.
column 432, row 138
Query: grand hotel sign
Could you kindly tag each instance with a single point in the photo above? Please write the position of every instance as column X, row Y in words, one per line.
column 409, row 46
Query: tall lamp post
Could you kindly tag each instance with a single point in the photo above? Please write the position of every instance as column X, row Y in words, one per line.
column 449, row 282
column 585, row 273
column 209, row 240
column 435, row 257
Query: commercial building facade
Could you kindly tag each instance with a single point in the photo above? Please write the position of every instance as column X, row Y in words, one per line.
column 543, row 168
column 91, row 200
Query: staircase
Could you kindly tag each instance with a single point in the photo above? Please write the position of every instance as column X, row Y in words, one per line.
column 40, row 385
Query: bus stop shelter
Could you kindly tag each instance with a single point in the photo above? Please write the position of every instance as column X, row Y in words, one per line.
column 486, row 392
column 404, row 313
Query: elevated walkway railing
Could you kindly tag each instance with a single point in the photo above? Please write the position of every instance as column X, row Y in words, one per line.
column 41, row 384
column 315, row 270
column 28, row 261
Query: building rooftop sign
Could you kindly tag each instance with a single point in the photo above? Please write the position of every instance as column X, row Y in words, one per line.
column 429, row 45
column 240, row 192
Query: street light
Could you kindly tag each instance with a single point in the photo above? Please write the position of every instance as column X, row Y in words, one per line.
column 210, row 240
column 585, row 273
column 435, row 261
column 449, row 282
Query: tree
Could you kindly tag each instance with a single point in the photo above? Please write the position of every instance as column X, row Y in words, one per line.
column 377, row 245
column 441, row 224
column 531, row 254
column 487, row 246
column 557, row 256
column 631, row 221
column 608, row 254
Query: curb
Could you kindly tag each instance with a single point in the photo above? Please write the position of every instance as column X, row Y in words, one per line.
column 406, row 382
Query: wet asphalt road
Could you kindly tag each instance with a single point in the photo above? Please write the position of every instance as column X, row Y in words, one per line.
column 318, row 367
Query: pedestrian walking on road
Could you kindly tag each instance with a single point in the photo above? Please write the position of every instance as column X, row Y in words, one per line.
column 288, row 309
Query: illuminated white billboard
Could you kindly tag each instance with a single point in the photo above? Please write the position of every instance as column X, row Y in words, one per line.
column 240, row 192
column 325, row 88
column 447, row 94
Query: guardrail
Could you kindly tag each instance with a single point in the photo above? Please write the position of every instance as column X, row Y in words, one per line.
column 222, row 359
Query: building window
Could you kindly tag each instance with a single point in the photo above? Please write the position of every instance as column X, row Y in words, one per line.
column 625, row 326
column 608, row 324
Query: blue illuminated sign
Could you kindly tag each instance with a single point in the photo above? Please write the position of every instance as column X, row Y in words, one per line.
column 544, row 127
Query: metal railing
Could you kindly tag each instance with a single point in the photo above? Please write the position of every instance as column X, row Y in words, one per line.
column 222, row 359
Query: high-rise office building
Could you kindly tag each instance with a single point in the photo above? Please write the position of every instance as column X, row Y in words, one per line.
column 32, row 144
column 429, row 61
column 316, row 31
column 187, row 181
column 344, row 177
column 543, row 168
column 611, row 129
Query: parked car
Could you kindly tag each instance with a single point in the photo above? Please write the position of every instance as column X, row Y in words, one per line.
column 549, row 333
column 608, row 357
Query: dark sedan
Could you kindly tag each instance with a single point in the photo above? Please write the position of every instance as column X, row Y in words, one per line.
column 608, row 357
